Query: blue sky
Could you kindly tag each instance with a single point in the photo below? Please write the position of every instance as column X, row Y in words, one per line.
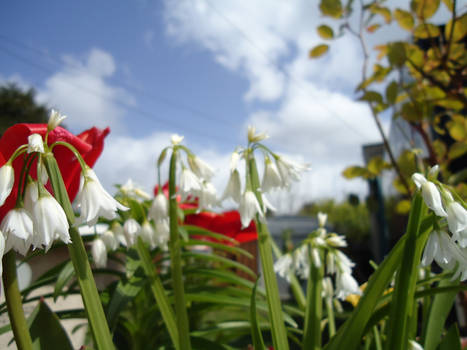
column 201, row 68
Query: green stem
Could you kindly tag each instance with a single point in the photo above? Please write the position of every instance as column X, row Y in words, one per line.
column 176, row 261
column 13, row 301
column 331, row 318
column 314, row 307
column 404, row 290
column 279, row 333
column 158, row 292
column 79, row 257
column 377, row 337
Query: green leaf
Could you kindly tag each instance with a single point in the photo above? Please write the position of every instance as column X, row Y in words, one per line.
column 452, row 340
column 219, row 246
column 183, row 232
column 331, row 8
column 46, row 330
column 162, row 156
column 376, row 165
column 356, row 171
column 404, row 19
column 325, row 32
column 382, row 11
column 196, row 230
column 426, row 30
column 396, row 54
column 319, row 50
column 63, row 279
column 424, row 9
column 440, row 308
column 457, row 150
column 219, row 259
column 256, row 335
column 460, row 28
column 391, row 92
column 372, row 96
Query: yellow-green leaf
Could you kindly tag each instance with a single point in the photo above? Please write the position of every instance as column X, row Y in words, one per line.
column 440, row 148
column 319, row 50
column 457, row 150
column 331, row 8
column 376, row 165
column 397, row 54
column 460, row 28
column 424, row 9
column 356, row 171
column 325, row 32
column 373, row 28
column 450, row 103
column 426, row 30
column 372, row 96
column 457, row 129
column 404, row 19
column 382, row 11
column 391, row 92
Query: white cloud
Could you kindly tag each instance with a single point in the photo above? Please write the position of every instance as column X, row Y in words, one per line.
column 81, row 91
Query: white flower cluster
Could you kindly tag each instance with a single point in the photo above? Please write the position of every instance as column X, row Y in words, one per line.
column 42, row 219
column 278, row 174
column 449, row 252
column 321, row 246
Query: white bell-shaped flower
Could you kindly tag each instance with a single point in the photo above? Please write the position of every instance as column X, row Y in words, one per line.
column 336, row 241
column 289, row 170
column 283, row 266
column 119, row 233
column 35, row 143
column 457, row 217
column 162, row 235
column 94, row 201
column 202, row 169
column 234, row 187
column 441, row 248
column 346, row 285
column 256, row 137
column 110, row 240
column 148, row 235
column 131, row 229
column 271, row 177
column 159, row 207
column 49, row 222
column 99, row 253
column 249, row 207
column 207, row 197
column 18, row 229
column 189, row 183
column 322, row 218
column 55, row 119
column 7, row 179
column 430, row 194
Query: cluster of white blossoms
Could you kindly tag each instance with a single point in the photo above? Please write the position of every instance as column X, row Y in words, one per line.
column 449, row 251
column 38, row 219
column 279, row 173
column 321, row 247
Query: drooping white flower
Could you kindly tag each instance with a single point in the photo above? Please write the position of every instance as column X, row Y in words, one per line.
column 49, row 222
column 148, row 234
column 430, row 194
column 202, row 169
column 457, row 217
column 31, row 195
column 159, row 207
column 119, row 233
column 302, row 261
column 437, row 249
column 7, row 179
column 413, row 345
column 18, row 230
column 336, row 241
column 99, row 253
column 315, row 256
column 328, row 289
column 322, row 218
column 234, row 187
column 283, row 265
column 110, row 240
column 249, row 207
column 130, row 189
column 342, row 261
column 189, row 183
column 176, row 139
column 234, row 158
column 255, row 137
column 131, row 229
column 162, row 235
column 55, row 119
column 289, row 170
column 267, row 204
column 461, row 238
column 271, row 177
column 346, row 285
column 94, row 201
column 35, row 143
column 207, row 196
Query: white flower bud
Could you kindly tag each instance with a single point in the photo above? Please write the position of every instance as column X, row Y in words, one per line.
column 55, row 119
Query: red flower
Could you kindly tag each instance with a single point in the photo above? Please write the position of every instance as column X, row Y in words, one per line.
column 89, row 144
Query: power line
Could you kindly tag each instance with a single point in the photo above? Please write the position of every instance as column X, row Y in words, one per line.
column 126, row 106
column 288, row 75
column 162, row 99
